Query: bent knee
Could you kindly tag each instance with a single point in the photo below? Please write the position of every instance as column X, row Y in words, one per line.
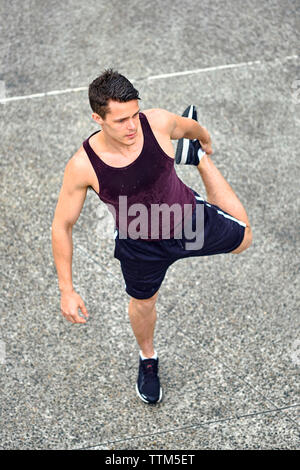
column 246, row 243
column 145, row 303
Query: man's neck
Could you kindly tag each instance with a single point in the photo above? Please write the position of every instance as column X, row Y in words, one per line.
column 114, row 146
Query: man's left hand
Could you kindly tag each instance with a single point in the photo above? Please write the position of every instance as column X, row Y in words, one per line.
column 206, row 146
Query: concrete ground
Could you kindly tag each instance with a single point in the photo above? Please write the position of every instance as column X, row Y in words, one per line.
column 228, row 326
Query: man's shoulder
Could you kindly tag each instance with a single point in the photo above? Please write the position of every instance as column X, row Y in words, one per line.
column 79, row 160
column 153, row 112
column 159, row 118
column 78, row 167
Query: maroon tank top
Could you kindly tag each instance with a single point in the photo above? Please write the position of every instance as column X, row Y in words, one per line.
column 147, row 198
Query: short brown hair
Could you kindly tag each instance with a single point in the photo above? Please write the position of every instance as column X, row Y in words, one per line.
column 110, row 85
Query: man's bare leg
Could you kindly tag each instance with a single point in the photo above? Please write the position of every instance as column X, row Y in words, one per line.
column 142, row 315
column 220, row 193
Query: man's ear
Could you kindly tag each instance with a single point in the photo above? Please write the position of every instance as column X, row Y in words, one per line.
column 97, row 118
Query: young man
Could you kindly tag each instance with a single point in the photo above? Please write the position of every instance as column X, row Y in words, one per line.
column 131, row 160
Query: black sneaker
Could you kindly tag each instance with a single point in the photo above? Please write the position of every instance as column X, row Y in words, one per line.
column 148, row 386
column 187, row 150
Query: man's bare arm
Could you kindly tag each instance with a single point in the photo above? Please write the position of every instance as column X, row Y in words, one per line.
column 70, row 202
column 182, row 127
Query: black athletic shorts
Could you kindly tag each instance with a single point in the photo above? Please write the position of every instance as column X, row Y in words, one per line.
column 144, row 263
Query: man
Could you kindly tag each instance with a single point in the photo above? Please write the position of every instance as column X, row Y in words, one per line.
column 131, row 160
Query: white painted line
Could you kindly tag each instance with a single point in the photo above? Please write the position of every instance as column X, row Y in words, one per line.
column 153, row 77
column 208, row 69
column 2, row 352
column 220, row 67
column 2, row 90
column 42, row 95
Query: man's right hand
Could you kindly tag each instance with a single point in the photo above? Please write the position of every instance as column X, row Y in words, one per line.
column 70, row 303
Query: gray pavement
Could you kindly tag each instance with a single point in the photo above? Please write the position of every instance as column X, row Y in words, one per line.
column 228, row 326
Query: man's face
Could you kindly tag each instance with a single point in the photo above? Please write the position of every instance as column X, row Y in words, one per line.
column 122, row 121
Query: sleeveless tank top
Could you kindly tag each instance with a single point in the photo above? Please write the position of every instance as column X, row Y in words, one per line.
column 147, row 198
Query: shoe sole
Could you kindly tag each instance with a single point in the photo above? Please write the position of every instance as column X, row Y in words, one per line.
column 146, row 401
column 183, row 144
